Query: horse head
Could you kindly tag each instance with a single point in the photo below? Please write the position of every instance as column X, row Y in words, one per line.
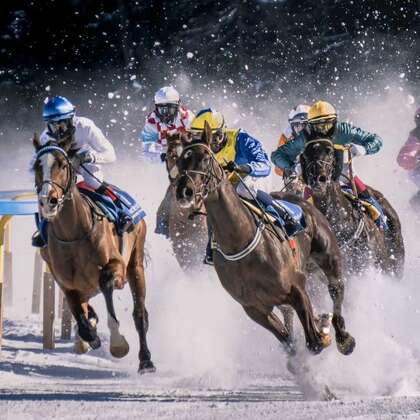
column 199, row 171
column 321, row 164
column 54, row 177
column 176, row 144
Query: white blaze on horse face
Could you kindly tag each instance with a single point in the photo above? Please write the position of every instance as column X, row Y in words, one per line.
column 47, row 162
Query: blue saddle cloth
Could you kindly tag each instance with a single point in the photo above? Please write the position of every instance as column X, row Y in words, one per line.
column 125, row 207
column 289, row 216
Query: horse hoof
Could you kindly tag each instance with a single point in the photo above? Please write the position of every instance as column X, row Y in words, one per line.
column 80, row 347
column 347, row 345
column 121, row 349
column 146, row 367
column 325, row 340
column 95, row 343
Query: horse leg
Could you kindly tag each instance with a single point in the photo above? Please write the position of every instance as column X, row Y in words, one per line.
column 332, row 269
column 136, row 279
column 316, row 340
column 287, row 312
column 112, row 275
column 86, row 329
column 270, row 321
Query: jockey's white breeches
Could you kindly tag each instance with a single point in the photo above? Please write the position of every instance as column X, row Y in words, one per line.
column 88, row 178
column 253, row 184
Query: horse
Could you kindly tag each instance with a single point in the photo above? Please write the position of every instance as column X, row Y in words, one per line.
column 255, row 263
column 85, row 254
column 361, row 241
column 188, row 235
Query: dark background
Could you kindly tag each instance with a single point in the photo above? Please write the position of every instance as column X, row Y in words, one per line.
column 256, row 49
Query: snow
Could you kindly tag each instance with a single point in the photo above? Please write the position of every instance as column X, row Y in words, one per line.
column 212, row 361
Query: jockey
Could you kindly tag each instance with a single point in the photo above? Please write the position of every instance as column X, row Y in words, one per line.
column 409, row 156
column 322, row 123
column 168, row 118
column 91, row 146
column 298, row 117
column 237, row 151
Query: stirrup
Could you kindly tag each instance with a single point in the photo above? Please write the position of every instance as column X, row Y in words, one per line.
column 208, row 259
column 37, row 240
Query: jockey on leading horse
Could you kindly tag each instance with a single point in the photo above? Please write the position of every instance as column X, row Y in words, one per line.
column 168, row 118
column 238, row 152
column 322, row 123
column 87, row 141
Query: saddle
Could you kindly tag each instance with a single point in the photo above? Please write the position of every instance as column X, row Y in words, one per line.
column 287, row 216
column 373, row 212
column 117, row 206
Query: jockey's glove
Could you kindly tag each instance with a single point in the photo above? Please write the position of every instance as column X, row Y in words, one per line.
column 241, row 169
column 83, row 157
column 289, row 173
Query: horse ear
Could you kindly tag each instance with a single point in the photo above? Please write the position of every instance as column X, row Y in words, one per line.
column 206, row 136
column 35, row 141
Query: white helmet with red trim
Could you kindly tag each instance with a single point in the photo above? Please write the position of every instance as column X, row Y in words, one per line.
column 298, row 117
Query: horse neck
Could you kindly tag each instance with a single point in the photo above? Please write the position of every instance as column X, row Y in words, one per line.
column 74, row 219
column 332, row 202
column 232, row 224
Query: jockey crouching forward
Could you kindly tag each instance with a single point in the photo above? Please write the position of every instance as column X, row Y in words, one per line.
column 237, row 152
column 79, row 135
column 322, row 123
column 168, row 118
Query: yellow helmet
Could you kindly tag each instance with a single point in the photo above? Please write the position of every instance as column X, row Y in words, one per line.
column 321, row 110
column 213, row 118
column 216, row 122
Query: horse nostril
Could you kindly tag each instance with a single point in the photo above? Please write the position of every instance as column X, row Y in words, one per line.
column 322, row 178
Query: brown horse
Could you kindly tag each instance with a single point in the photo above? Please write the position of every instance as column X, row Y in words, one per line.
column 254, row 262
column 187, row 233
column 83, row 253
column 361, row 242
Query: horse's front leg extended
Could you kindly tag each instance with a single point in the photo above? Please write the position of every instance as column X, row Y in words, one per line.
column 81, row 313
column 332, row 269
column 112, row 275
column 135, row 274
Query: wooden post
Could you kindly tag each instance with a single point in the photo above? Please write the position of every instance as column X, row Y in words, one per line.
column 49, row 311
column 8, row 279
column 3, row 223
column 37, row 283
column 66, row 318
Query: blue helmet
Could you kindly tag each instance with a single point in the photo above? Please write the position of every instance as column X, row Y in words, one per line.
column 58, row 108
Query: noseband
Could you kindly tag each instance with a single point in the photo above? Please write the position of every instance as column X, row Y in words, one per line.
column 48, row 149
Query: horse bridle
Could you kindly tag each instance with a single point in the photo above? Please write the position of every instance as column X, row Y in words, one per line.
column 70, row 180
column 322, row 164
column 200, row 193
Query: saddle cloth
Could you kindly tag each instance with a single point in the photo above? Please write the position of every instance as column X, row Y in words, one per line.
column 117, row 209
column 373, row 212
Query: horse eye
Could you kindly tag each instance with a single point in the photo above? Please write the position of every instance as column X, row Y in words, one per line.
column 187, row 154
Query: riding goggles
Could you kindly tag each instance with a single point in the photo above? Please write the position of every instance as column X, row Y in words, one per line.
column 167, row 112
column 322, row 126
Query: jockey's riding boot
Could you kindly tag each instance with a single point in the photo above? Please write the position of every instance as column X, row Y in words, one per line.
column 37, row 240
column 378, row 216
column 208, row 259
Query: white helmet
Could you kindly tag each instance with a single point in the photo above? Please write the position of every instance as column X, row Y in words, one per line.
column 166, row 95
column 298, row 117
column 299, row 113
